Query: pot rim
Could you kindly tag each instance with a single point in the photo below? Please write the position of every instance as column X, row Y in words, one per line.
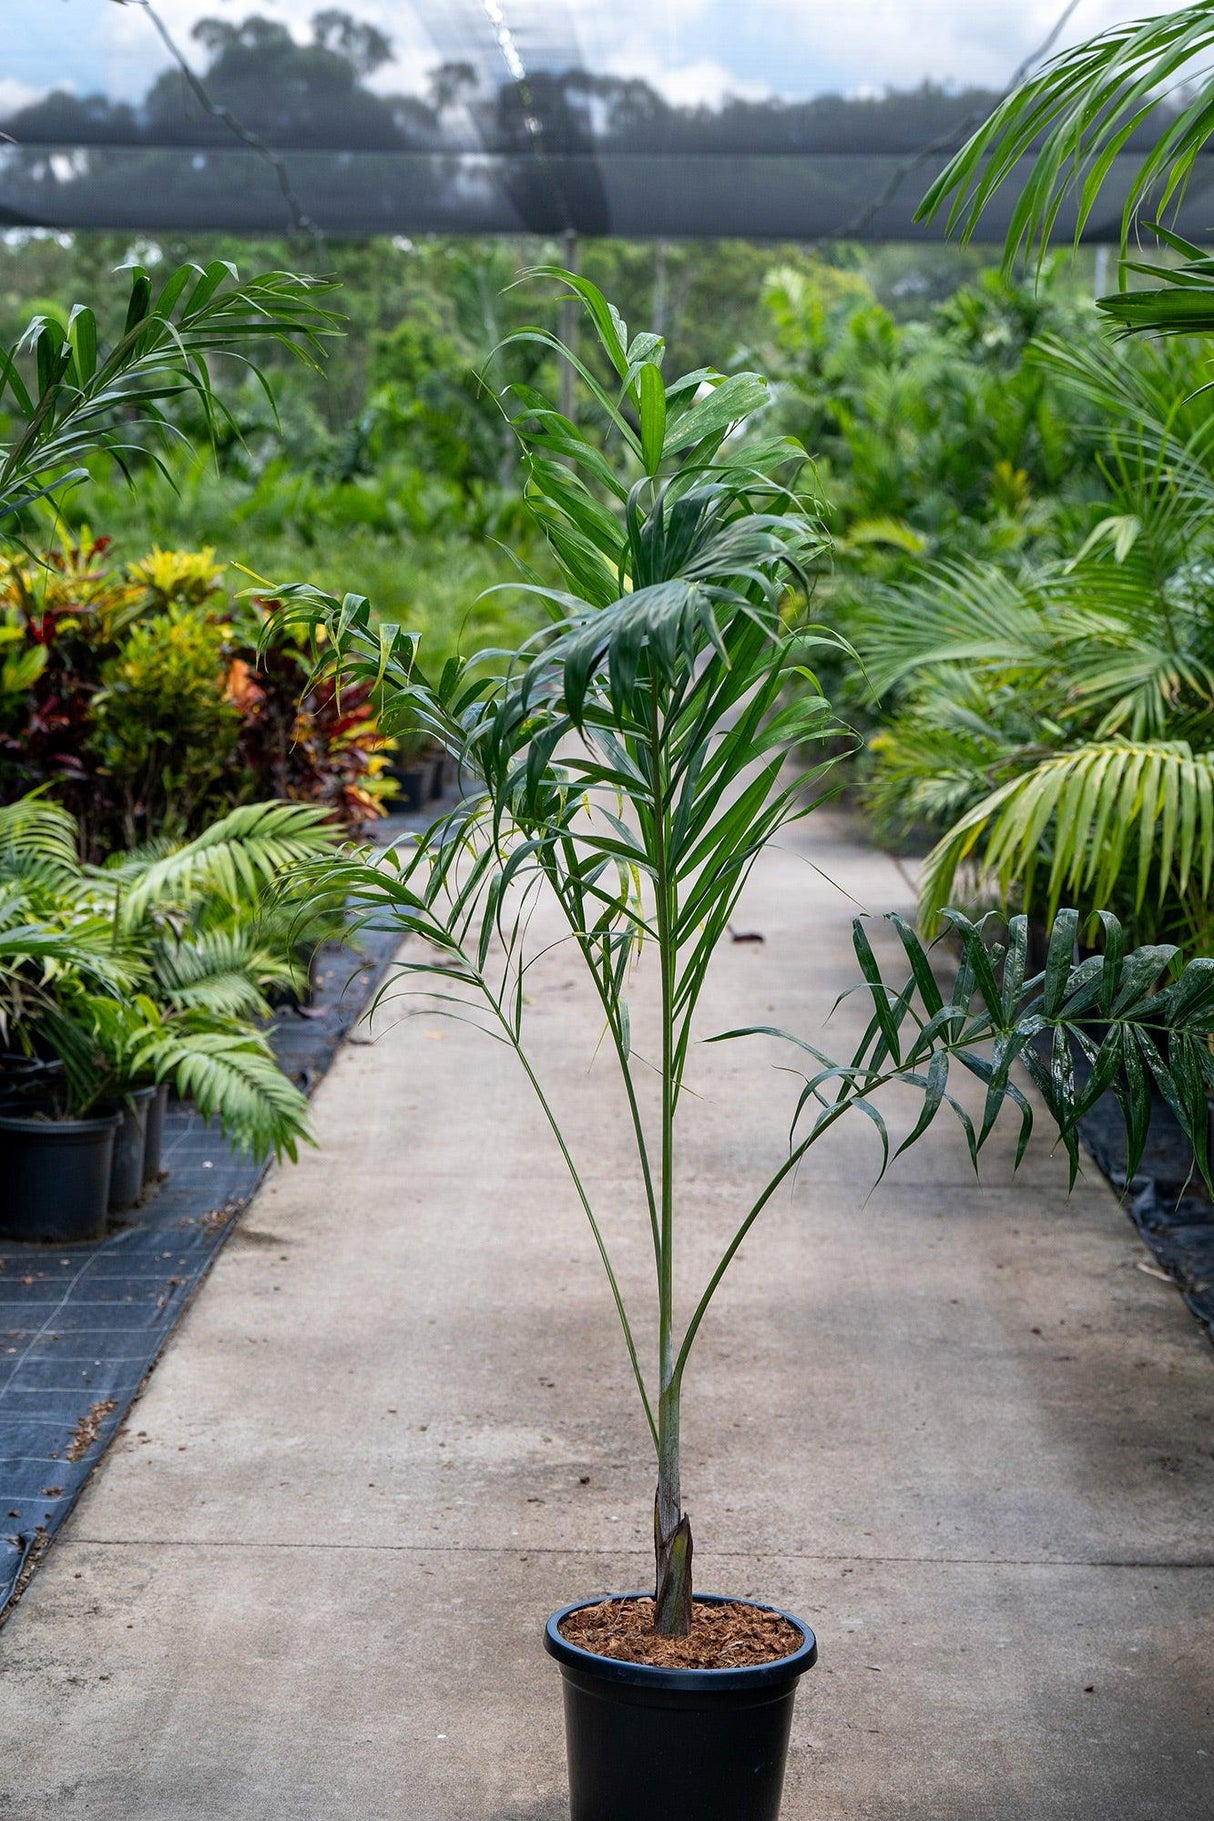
column 689, row 1681
column 68, row 1127
column 126, row 1097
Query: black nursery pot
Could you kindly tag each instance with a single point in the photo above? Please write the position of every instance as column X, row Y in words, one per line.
column 414, row 781
column 130, row 1144
column 55, row 1177
column 675, row 1744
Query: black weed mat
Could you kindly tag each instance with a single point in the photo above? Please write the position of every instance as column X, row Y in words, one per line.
column 1166, row 1199
column 82, row 1326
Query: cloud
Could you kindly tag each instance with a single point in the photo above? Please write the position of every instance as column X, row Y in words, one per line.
column 692, row 50
column 15, row 94
column 700, row 49
column 702, row 83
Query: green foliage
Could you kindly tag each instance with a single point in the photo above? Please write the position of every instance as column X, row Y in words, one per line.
column 1116, row 819
column 1178, row 301
column 937, row 435
column 234, row 859
column 134, row 698
column 69, row 399
column 1123, row 1022
column 1050, row 717
column 1088, row 101
column 47, row 931
column 164, row 730
column 1085, row 111
column 156, row 968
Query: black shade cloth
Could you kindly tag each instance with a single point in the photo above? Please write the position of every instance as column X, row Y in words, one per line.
column 648, row 195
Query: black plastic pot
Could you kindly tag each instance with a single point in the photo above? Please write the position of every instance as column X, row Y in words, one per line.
column 154, row 1136
column 414, row 782
column 55, row 1177
column 648, row 1744
column 130, row 1144
column 19, row 1074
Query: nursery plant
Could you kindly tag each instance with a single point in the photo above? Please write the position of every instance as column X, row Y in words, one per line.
column 632, row 764
column 134, row 692
column 68, row 399
column 1055, row 719
column 154, row 968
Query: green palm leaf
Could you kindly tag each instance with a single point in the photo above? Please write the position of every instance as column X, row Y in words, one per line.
column 236, row 858
column 38, row 844
column 1074, row 118
column 1101, row 811
column 232, row 1076
column 953, row 613
column 225, row 971
column 67, row 400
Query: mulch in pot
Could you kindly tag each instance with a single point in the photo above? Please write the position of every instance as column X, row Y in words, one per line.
column 731, row 1636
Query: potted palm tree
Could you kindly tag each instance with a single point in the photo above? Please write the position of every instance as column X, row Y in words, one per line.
column 57, row 1169
column 116, row 980
column 633, row 763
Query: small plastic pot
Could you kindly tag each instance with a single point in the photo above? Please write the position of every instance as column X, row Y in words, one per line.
column 414, row 782
column 654, row 1744
column 55, row 1177
column 130, row 1144
column 153, row 1142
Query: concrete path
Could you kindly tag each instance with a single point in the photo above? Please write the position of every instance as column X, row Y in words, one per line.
column 964, row 1432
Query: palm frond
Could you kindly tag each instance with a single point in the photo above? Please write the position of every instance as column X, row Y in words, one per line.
column 39, row 842
column 1135, row 1022
column 953, row 613
column 236, row 858
column 225, row 971
column 68, row 400
column 1096, row 813
column 1074, row 118
column 231, row 1076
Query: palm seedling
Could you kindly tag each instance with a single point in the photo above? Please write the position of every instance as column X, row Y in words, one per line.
column 68, row 399
column 632, row 764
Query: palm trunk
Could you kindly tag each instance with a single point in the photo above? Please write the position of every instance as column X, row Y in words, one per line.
column 671, row 1530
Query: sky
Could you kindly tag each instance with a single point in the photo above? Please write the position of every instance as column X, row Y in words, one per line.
column 693, row 50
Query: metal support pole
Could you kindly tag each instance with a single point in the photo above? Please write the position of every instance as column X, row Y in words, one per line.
column 658, row 312
column 1102, row 270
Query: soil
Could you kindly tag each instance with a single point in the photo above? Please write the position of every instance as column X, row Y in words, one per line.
column 732, row 1636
